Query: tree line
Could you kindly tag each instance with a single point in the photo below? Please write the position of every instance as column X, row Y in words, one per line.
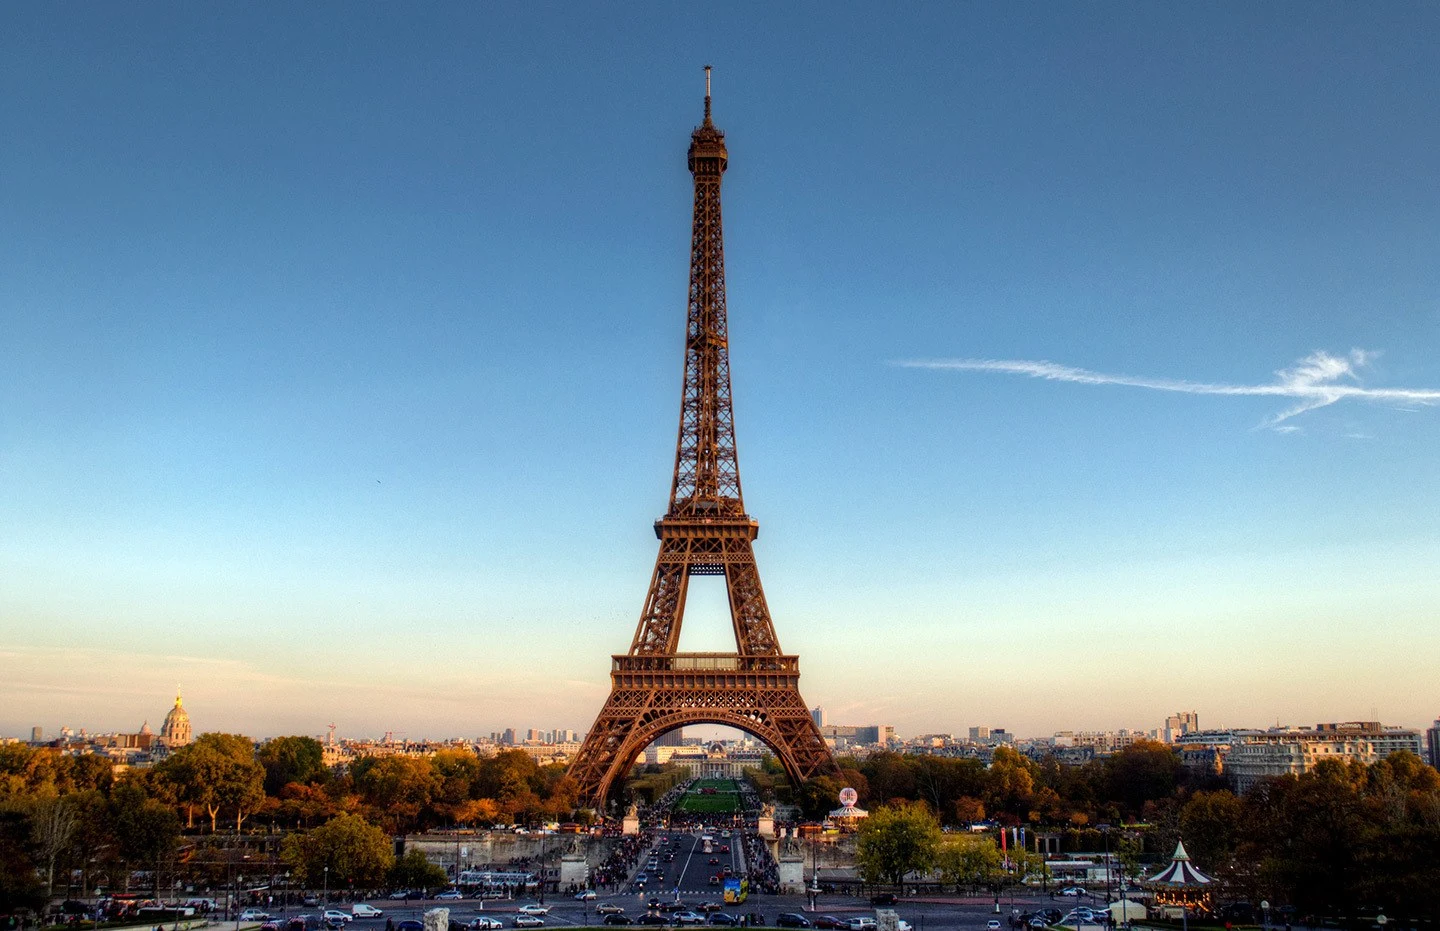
column 1340, row 839
column 62, row 813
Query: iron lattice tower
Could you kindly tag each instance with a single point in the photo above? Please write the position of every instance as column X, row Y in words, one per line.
column 706, row 531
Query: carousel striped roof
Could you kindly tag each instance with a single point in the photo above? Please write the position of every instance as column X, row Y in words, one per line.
column 1180, row 872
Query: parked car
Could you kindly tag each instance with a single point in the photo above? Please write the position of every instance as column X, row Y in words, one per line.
column 885, row 898
column 531, row 909
column 652, row 920
column 528, row 921
column 861, row 923
column 992, row 925
column 481, row 923
column 253, row 914
column 1072, row 890
column 829, row 921
column 410, row 924
column 688, row 918
column 609, row 909
column 365, row 910
column 399, row 894
column 451, row 894
column 615, row 918
column 310, row 901
column 334, row 914
column 585, row 896
column 334, row 924
column 792, row 920
column 720, row 918
column 1038, row 922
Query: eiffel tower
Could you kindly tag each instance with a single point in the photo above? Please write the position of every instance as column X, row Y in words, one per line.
column 654, row 688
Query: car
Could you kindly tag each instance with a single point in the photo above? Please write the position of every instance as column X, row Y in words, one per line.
column 363, row 910
column 689, row 918
column 714, row 880
column 609, row 909
column 652, row 920
column 310, row 901
column 708, row 907
column 271, row 925
column 586, row 896
column 884, row 898
column 410, row 924
column 653, row 904
column 615, row 918
column 1072, row 890
column 714, row 861
column 451, row 894
column 334, row 914
column 1038, row 922
column 399, row 894
column 902, row 925
column 720, row 918
column 253, row 914
column 792, row 920
column 724, row 848
column 829, row 921
column 530, row 908
column 528, row 921
column 481, row 923
column 641, row 879
column 861, row 923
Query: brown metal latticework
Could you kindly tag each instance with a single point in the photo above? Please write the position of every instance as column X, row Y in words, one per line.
column 655, row 689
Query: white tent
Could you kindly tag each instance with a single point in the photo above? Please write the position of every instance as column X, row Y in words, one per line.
column 1126, row 910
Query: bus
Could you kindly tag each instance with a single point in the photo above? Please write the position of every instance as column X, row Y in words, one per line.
column 707, row 843
column 737, row 890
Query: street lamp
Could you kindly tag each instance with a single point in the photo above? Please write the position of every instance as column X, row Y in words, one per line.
column 325, row 893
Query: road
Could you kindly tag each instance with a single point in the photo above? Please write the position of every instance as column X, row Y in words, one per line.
column 938, row 914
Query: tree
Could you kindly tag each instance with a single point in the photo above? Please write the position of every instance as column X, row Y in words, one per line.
column 969, row 860
column 895, row 840
column 20, row 885
column 399, row 786
column 1143, row 772
column 290, row 759
column 1212, row 824
column 146, row 831
column 356, row 852
column 414, row 871
column 216, row 772
column 52, row 825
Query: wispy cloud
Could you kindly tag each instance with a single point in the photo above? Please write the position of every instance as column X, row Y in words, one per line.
column 1318, row 380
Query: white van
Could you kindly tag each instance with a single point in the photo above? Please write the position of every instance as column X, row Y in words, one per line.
column 362, row 910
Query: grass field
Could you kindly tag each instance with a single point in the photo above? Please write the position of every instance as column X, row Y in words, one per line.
column 725, row 800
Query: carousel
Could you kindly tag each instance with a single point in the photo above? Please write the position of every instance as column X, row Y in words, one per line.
column 847, row 817
column 1180, row 888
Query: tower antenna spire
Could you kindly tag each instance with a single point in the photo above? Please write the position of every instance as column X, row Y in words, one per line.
column 707, row 93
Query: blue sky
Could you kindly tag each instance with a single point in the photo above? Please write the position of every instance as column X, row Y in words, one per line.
column 341, row 357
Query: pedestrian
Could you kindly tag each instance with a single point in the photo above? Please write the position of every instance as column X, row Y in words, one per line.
column 389, row 924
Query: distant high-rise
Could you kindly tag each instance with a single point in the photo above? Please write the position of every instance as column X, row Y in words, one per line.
column 1432, row 743
column 818, row 715
column 979, row 734
column 1179, row 724
column 675, row 738
column 508, row 738
column 37, row 735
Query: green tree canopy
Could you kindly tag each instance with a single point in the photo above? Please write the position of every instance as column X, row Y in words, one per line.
column 357, row 852
column 414, row 871
column 895, row 840
column 291, row 759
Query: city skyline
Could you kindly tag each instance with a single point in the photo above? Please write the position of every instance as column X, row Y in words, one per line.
column 317, row 335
